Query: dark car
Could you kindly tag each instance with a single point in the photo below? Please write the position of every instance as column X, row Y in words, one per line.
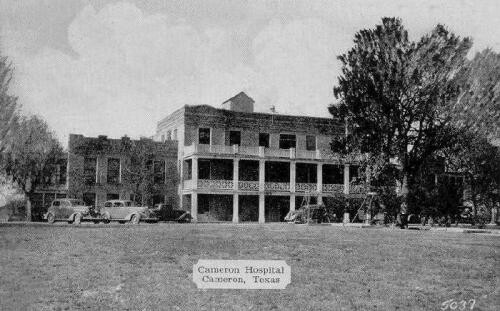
column 165, row 212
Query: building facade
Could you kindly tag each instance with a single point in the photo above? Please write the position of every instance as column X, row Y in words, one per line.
column 238, row 165
column 101, row 169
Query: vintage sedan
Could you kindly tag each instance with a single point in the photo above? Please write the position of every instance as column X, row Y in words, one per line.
column 166, row 212
column 70, row 210
column 126, row 211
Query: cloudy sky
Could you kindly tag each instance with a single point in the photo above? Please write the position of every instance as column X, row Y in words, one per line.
column 118, row 67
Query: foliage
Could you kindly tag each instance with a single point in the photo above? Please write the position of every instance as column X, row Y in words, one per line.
column 393, row 93
column 478, row 106
column 8, row 104
column 479, row 161
column 29, row 155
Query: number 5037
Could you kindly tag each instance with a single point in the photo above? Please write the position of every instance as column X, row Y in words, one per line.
column 458, row 305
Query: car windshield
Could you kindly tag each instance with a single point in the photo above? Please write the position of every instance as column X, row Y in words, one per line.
column 127, row 203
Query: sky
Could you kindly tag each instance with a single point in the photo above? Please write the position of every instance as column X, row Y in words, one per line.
column 118, row 67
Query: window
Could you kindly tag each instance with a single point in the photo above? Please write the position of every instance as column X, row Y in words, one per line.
column 89, row 170
column 61, row 168
column 112, row 196
column 311, row 142
column 287, row 141
column 169, row 135
column 234, row 138
column 175, row 134
column 113, row 171
column 159, row 171
column 108, row 204
column 264, row 140
column 204, row 136
column 56, row 203
column 353, row 172
column 89, row 199
column 162, row 137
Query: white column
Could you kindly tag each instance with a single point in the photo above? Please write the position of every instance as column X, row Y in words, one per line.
column 319, row 179
column 262, row 213
column 236, row 168
column 194, row 172
column 236, row 208
column 194, row 206
column 292, row 202
column 262, row 179
column 262, row 175
column 292, row 176
column 346, row 191
column 346, row 179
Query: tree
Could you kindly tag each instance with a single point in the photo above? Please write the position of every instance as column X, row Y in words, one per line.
column 8, row 104
column 479, row 161
column 30, row 152
column 393, row 93
column 478, row 106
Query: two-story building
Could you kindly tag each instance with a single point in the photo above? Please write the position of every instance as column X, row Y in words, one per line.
column 239, row 165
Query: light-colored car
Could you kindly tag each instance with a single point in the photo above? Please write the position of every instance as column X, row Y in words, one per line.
column 126, row 210
column 70, row 210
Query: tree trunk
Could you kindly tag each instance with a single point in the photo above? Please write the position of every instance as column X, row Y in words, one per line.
column 28, row 209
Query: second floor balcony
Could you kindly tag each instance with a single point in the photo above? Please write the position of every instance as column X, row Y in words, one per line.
column 262, row 152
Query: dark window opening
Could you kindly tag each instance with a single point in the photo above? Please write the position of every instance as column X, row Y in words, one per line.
column 287, row 141
column 306, row 173
column 333, row 174
column 89, row 199
column 264, row 140
column 89, row 170
column 204, row 136
column 310, row 142
column 112, row 196
column 113, row 171
column 234, row 138
column 159, row 171
column 353, row 172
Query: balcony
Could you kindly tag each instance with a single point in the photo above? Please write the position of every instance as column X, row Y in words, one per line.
column 306, row 187
column 333, row 188
column 261, row 152
column 212, row 184
column 248, row 185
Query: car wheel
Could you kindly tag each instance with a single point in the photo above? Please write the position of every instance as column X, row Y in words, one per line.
column 78, row 219
column 134, row 219
column 51, row 218
column 106, row 218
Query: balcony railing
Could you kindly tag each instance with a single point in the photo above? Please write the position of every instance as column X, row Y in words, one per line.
column 333, row 188
column 277, row 186
column 305, row 187
column 214, row 184
column 269, row 152
column 248, row 185
column 357, row 189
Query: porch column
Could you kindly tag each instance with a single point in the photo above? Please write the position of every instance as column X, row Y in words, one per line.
column 194, row 206
column 292, row 202
column 346, row 192
column 194, row 172
column 292, row 176
column 236, row 202
column 262, row 188
column 346, row 179
column 319, row 178
column 236, row 168
column 262, row 203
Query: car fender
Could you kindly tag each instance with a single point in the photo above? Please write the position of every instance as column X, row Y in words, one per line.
column 72, row 216
column 129, row 216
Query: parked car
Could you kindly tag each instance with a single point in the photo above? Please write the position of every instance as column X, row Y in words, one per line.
column 126, row 210
column 70, row 210
column 165, row 212
column 311, row 213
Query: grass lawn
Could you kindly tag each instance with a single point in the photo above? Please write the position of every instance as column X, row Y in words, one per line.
column 149, row 266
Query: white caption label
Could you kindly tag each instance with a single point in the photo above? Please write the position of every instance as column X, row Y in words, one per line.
column 242, row 274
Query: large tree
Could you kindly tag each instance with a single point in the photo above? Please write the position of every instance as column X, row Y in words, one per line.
column 8, row 104
column 478, row 106
column 29, row 155
column 394, row 94
column 478, row 161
